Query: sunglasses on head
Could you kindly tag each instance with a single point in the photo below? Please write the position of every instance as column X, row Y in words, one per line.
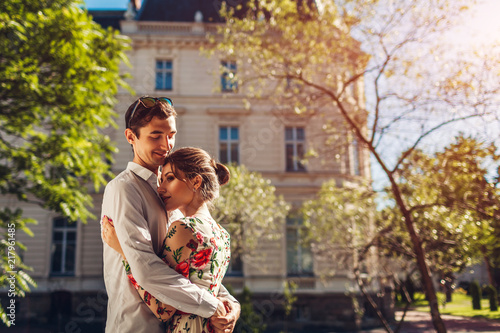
column 149, row 102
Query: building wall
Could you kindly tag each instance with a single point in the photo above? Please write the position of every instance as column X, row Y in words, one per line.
column 202, row 109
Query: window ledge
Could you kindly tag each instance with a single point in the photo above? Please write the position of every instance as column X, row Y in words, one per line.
column 228, row 111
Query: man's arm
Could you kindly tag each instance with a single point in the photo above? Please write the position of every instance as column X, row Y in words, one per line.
column 223, row 293
column 123, row 203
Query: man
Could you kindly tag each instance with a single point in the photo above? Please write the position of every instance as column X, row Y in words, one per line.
column 132, row 202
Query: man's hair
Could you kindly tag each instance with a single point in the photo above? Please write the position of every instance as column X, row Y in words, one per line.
column 143, row 115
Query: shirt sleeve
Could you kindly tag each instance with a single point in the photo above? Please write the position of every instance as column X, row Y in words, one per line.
column 124, row 204
column 225, row 294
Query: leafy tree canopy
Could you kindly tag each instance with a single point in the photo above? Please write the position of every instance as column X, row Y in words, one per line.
column 250, row 209
column 455, row 201
column 59, row 72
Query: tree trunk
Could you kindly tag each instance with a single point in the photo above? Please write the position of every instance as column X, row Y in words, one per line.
column 489, row 269
column 430, row 291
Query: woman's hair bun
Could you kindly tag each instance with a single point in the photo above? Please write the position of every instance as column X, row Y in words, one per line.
column 222, row 173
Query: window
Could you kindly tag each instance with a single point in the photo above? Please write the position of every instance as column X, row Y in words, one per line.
column 229, row 147
column 163, row 75
column 298, row 254
column 235, row 267
column 294, row 148
column 63, row 247
column 228, row 77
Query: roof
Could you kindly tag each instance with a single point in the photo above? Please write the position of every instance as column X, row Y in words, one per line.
column 107, row 18
column 179, row 11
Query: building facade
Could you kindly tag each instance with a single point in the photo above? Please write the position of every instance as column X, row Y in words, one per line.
column 165, row 58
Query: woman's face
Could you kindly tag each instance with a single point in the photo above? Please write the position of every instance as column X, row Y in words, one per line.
column 175, row 193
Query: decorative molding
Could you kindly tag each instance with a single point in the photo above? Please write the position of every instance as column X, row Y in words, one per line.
column 180, row 110
column 235, row 111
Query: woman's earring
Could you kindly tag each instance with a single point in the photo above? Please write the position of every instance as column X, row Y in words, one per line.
column 194, row 190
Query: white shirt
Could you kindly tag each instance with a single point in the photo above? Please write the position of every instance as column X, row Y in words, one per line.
column 131, row 200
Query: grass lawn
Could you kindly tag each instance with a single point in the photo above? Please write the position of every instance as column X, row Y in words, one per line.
column 461, row 305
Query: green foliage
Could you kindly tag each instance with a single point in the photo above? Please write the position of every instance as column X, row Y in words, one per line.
column 250, row 321
column 475, row 291
column 343, row 214
column 460, row 306
column 492, row 297
column 249, row 209
column 455, row 203
column 59, row 72
column 289, row 288
column 350, row 59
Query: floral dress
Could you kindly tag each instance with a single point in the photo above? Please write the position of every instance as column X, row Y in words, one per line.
column 206, row 266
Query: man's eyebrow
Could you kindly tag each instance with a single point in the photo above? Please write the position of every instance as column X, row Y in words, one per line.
column 161, row 132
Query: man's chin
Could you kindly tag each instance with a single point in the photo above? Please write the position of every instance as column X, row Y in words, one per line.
column 158, row 161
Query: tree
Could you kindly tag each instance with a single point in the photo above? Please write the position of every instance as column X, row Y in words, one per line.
column 59, row 72
column 250, row 210
column 309, row 60
column 346, row 215
column 455, row 201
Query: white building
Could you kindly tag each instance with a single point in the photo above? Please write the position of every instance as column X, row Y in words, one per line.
column 166, row 37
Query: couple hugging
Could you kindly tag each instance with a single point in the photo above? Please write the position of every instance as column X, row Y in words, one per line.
column 165, row 256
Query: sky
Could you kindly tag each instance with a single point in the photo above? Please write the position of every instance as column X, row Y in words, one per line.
column 482, row 26
column 107, row 4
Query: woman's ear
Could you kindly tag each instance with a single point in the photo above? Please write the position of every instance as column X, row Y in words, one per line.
column 197, row 181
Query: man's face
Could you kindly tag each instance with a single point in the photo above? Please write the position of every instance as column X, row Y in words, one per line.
column 155, row 141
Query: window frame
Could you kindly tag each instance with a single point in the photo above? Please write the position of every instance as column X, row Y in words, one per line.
column 67, row 228
column 229, row 144
column 301, row 252
column 228, row 85
column 165, row 71
column 297, row 165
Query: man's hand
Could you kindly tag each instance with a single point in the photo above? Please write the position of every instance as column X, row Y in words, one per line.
column 225, row 317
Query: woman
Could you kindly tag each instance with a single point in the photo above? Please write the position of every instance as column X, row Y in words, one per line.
column 196, row 246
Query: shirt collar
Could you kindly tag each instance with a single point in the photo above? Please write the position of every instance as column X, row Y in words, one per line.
column 144, row 173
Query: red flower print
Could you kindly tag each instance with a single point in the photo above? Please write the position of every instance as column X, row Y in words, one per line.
column 192, row 245
column 212, row 240
column 199, row 237
column 201, row 259
column 133, row 281
column 210, row 328
column 183, row 268
column 147, row 297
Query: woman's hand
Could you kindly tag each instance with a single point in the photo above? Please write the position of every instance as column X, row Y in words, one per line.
column 108, row 234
